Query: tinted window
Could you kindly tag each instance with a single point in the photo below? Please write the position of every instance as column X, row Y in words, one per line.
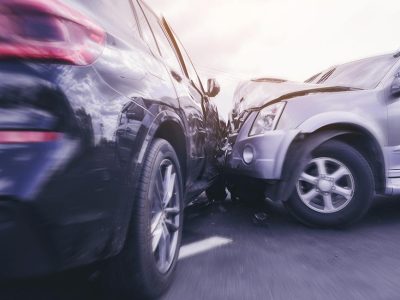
column 192, row 73
column 116, row 17
column 164, row 44
column 147, row 34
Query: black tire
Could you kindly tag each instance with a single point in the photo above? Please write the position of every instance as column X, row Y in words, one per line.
column 363, row 189
column 134, row 274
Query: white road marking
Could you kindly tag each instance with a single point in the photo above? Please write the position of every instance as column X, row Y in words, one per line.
column 203, row 246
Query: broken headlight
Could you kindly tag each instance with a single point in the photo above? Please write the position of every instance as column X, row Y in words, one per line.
column 267, row 118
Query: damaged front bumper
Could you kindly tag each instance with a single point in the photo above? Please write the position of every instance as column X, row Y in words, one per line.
column 260, row 156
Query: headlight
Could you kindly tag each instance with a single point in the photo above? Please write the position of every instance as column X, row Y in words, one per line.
column 267, row 118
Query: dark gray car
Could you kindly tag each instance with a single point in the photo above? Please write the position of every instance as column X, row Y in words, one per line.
column 323, row 147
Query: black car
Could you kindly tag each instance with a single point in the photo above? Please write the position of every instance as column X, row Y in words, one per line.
column 106, row 132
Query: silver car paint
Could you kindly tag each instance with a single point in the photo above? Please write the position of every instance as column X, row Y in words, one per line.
column 376, row 111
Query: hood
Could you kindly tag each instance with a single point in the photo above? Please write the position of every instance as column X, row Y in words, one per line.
column 252, row 95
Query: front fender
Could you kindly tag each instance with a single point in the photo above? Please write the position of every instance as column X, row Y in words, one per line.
column 298, row 155
column 336, row 118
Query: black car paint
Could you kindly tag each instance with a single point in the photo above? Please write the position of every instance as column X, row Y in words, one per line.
column 68, row 202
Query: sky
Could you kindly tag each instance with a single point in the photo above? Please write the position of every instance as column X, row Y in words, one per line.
column 235, row 40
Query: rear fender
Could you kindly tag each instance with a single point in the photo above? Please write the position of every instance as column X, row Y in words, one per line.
column 162, row 117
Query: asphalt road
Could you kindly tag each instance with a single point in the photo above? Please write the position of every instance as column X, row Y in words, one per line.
column 275, row 258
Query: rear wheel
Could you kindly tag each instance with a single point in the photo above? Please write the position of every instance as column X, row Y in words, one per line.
column 146, row 265
column 335, row 188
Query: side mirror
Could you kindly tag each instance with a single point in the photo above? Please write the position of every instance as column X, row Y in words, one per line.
column 395, row 88
column 213, row 87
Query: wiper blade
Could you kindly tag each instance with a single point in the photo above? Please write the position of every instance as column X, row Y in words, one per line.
column 326, row 76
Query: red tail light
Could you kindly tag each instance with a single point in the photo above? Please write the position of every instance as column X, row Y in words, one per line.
column 15, row 137
column 47, row 30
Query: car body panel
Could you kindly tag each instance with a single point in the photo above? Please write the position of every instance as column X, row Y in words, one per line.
column 261, row 94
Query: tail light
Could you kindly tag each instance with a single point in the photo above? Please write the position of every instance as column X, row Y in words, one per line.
column 16, row 137
column 48, row 30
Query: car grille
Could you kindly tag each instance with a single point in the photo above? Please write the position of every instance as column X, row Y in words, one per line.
column 236, row 123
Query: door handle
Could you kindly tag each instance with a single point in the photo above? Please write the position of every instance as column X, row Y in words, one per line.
column 176, row 76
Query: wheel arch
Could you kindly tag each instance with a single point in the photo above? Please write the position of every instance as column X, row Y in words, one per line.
column 340, row 120
column 355, row 135
column 367, row 144
column 173, row 133
column 167, row 125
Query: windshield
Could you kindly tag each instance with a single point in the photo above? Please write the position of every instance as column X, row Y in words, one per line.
column 362, row 74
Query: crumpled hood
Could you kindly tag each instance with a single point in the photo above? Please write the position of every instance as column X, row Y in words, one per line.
column 252, row 95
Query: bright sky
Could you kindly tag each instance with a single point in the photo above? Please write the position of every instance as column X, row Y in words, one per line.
column 235, row 40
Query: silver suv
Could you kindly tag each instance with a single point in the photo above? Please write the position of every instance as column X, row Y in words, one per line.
column 324, row 147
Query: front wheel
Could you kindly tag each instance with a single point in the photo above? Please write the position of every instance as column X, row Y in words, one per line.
column 146, row 265
column 335, row 188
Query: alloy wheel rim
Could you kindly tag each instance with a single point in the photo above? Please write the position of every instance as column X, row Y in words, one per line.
column 326, row 185
column 165, row 216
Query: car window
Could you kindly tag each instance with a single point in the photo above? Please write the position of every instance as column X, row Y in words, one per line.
column 191, row 71
column 146, row 31
column 104, row 12
column 163, row 43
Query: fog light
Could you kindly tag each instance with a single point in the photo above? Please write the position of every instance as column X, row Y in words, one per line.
column 248, row 154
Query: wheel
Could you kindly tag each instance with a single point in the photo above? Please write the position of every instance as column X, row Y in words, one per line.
column 146, row 265
column 335, row 189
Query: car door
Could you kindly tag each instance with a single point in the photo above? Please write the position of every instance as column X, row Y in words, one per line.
column 190, row 97
column 212, row 121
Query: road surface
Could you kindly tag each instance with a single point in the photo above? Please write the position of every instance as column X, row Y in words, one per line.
column 230, row 254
